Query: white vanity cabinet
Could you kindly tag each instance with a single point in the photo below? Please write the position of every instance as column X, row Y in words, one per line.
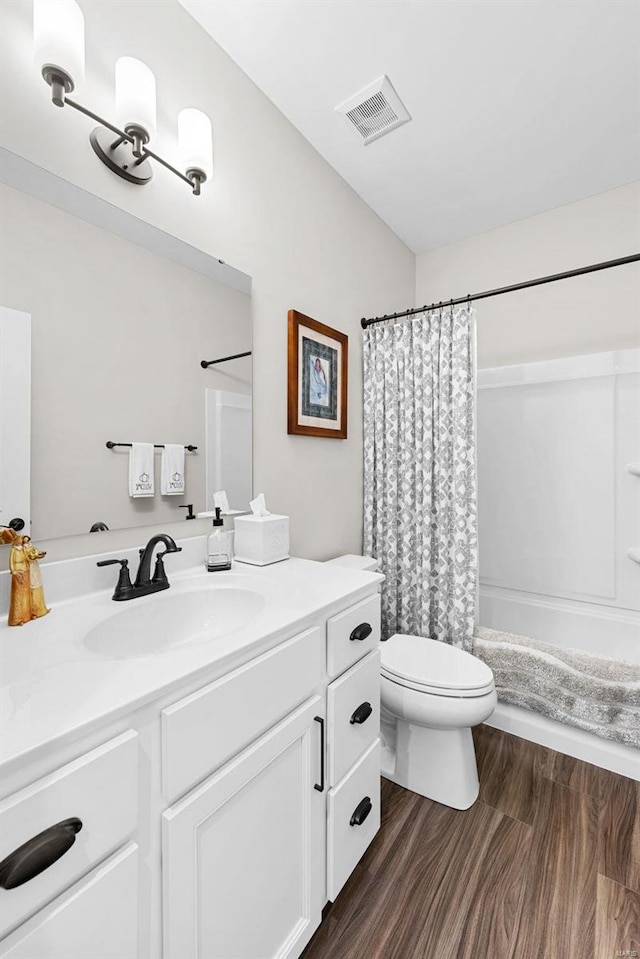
column 242, row 854
column 218, row 817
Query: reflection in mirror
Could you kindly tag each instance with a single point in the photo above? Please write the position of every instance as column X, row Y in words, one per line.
column 15, row 396
column 118, row 336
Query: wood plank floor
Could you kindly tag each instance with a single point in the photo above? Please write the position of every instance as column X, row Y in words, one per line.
column 545, row 865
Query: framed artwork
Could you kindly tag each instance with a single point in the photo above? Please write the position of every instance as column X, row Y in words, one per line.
column 318, row 369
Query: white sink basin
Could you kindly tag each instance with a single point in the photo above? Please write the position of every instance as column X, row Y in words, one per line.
column 163, row 621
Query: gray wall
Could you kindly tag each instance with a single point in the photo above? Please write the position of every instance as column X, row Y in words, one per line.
column 588, row 314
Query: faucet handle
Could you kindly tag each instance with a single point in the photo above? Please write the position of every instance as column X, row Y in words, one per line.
column 123, row 586
column 159, row 574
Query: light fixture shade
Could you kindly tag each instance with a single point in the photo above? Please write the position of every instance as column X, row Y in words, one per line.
column 195, row 142
column 58, row 37
column 135, row 95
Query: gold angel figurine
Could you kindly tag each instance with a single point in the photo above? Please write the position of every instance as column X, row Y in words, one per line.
column 27, row 595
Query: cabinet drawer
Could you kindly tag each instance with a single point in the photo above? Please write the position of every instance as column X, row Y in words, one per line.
column 101, row 790
column 353, row 715
column 203, row 731
column 347, row 840
column 96, row 919
column 345, row 632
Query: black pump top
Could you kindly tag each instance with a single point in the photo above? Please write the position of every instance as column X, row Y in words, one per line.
column 218, row 521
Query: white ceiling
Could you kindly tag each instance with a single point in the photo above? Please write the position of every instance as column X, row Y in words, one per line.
column 518, row 106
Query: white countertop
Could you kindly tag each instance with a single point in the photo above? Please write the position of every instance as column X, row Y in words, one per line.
column 52, row 686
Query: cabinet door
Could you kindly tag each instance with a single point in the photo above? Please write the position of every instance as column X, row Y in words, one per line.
column 243, row 853
column 95, row 919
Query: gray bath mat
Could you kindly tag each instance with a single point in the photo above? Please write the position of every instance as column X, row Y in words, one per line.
column 593, row 693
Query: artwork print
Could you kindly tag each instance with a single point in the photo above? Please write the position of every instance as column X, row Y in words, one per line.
column 317, row 394
column 319, row 379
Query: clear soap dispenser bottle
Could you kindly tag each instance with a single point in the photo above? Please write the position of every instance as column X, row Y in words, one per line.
column 218, row 546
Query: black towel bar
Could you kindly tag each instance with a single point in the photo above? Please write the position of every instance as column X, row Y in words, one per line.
column 159, row 446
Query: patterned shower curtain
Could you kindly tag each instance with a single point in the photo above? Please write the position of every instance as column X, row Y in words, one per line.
column 420, row 509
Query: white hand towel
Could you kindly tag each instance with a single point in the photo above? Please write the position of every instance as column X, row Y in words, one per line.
column 172, row 470
column 141, row 470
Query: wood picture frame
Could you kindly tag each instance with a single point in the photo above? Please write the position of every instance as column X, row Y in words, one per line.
column 318, row 370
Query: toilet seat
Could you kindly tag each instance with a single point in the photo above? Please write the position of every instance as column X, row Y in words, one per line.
column 438, row 690
column 435, row 668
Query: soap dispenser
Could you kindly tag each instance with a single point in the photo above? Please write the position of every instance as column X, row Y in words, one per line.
column 218, row 545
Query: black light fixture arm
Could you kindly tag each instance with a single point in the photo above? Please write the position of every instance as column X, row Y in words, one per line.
column 592, row 268
column 133, row 136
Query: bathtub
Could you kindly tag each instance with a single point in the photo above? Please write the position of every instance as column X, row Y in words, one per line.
column 558, row 492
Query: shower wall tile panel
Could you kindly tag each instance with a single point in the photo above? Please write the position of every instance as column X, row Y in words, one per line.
column 557, row 507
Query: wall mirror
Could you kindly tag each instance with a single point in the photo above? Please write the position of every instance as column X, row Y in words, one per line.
column 121, row 317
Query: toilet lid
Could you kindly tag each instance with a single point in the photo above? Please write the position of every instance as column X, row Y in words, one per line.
column 418, row 661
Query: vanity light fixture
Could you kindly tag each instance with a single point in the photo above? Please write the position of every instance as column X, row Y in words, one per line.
column 58, row 33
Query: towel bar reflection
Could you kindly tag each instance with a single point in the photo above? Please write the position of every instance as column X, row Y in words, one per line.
column 158, row 446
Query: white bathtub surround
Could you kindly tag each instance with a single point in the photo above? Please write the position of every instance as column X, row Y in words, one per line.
column 594, row 693
column 558, row 514
column 420, row 517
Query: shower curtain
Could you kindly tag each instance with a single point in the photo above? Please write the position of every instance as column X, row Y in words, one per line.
column 420, row 501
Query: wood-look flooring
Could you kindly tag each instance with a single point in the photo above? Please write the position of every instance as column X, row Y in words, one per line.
column 545, row 865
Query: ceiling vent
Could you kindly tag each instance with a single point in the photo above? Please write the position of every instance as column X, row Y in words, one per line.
column 374, row 111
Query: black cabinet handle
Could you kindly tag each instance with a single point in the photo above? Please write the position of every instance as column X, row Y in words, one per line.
column 361, row 811
column 37, row 854
column 320, row 786
column 361, row 714
column 362, row 631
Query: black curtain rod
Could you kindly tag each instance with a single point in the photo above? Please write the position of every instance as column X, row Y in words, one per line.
column 607, row 264
column 223, row 359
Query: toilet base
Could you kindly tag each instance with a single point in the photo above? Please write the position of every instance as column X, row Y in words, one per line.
column 437, row 763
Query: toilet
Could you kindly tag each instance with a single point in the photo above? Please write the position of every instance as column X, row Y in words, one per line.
column 431, row 696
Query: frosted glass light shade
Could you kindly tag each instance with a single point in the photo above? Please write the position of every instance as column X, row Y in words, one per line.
column 135, row 95
column 195, row 143
column 58, row 37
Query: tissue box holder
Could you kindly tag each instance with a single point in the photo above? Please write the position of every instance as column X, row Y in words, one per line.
column 261, row 540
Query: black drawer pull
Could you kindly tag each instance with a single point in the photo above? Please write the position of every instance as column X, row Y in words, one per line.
column 361, row 632
column 361, row 714
column 320, row 786
column 361, row 811
column 38, row 853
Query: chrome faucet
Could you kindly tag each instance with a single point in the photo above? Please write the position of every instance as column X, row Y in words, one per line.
column 144, row 584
